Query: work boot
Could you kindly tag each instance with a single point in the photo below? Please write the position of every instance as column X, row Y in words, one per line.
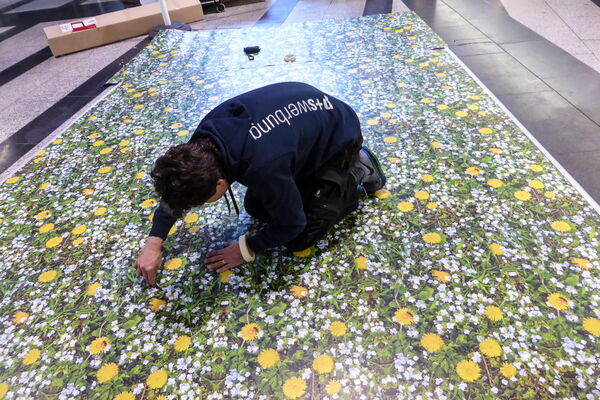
column 368, row 171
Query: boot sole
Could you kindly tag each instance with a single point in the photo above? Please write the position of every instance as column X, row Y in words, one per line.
column 375, row 161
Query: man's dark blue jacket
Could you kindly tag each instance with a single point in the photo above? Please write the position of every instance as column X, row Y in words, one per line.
column 271, row 138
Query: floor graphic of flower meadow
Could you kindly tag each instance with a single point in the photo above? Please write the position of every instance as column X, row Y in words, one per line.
column 474, row 274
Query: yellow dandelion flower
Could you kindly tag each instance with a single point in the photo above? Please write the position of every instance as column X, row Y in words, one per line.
column 78, row 230
column 250, row 332
column 87, row 192
column 560, row 226
column 182, row 343
column 436, row 145
column 162, row 397
column 461, row 113
column 337, row 328
column 508, row 370
column 333, row 387
column 47, row 276
column 473, row 171
column 427, row 178
column 549, row 195
column 98, row 345
column 100, row 211
column 365, row 82
column 474, row 97
column 168, row 109
column 268, row 358
column 383, row 194
column 431, row 205
column 536, row 168
column 106, row 150
column 422, row 195
column 592, row 325
column 55, row 241
column 522, row 195
column 3, row 389
column 323, row 364
column 104, row 170
column 390, row 139
column 183, row 133
column 495, row 150
column 558, row 301
column 493, row 313
column 427, row 100
column 191, row 218
column 57, row 141
column 225, row 276
column 138, row 106
column 404, row 316
column 582, row 263
column 394, row 160
column 173, row 230
column 302, row 253
column 91, row 118
column 473, row 107
column 127, row 121
column 432, row 238
column 31, row 357
column 157, row 379
column 42, row 215
column 46, row 228
column 148, row 203
column 490, row 348
column 173, row 264
column 440, row 75
column 98, row 143
column 496, row 249
column 45, row 185
column 92, row 289
column 77, row 241
column 299, row 291
column 125, row 396
column 535, row 184
column 495, row 183
column 107, row 372
column 468, row 371
column 385, row 115
column 400, row 85
column 19, row 317
column 361, row 262
column 441, row 276
column 372, row 122
column 194, row 229
column 157, row 304
column 441, row 107
column 432, row 342
column 390, row 105
column 294, row 387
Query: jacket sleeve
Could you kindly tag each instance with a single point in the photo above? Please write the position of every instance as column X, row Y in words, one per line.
column 281, row 197
column 162, row 222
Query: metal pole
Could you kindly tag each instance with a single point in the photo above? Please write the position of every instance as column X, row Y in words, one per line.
column 165, row 12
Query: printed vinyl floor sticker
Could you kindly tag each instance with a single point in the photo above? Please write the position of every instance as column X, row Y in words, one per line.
column 474, row 274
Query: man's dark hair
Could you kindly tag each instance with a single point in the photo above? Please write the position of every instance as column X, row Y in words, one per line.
column 186, row 176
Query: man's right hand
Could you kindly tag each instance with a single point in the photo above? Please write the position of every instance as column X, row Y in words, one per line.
column 149, row 260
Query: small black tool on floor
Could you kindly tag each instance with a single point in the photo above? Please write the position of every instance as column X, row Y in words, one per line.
column 251, row 51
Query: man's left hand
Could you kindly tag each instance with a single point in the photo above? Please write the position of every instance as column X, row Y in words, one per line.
column 224, row 259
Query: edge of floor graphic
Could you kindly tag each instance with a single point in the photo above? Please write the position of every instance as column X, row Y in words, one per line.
column 25, row 158
column 527, row 133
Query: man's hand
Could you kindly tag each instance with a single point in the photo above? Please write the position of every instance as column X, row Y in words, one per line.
column 149, row 260
column 226, row 258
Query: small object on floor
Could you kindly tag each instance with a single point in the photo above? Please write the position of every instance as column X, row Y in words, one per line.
column 175, row 25
column 251, row 51
column 289, row 58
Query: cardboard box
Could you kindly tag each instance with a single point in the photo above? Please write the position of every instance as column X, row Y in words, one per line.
column 120, row 25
